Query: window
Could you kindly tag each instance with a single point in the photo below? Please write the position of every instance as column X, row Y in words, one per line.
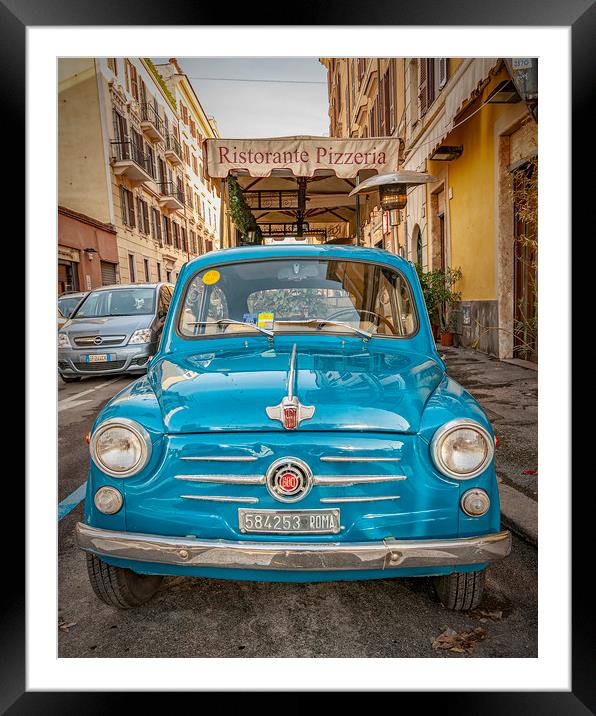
column 156, row 225
column 442, row 72
column 134, row 81
column 127, row 208
column 392, row 98
column 184, row 246
column 113, row 65
column 367, row 296
column 143, row 213
column 132, row 269
column 168, row 276
column 175, row 234
column 158, row 271
column 186, row 152
column 193, row 242
column 120, row 127
column 426, row 83
column 147, row 272
column 195, row 164
column 167, row 231
column 150, row 154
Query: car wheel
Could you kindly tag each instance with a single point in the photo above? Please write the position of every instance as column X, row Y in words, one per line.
column 71, row 379
column 120, row 587
column 460, row 591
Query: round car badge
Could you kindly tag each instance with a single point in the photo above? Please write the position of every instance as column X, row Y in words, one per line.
column 98, row 340
column 289, row 479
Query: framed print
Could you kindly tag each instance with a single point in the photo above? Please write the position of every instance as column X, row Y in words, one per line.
column 296, row 417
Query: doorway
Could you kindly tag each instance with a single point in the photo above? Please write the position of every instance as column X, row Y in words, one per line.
column 525, row 233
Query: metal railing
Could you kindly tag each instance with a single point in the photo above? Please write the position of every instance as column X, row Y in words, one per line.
column 130, row 151
column 173, row 145
column 168, row 188
column 149, row 114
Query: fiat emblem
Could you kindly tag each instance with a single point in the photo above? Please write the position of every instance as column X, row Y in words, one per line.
column 98, row 340
column 289, row 479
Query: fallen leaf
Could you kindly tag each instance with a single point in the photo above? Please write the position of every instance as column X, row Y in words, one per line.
column 464, row 642
column 65, row 626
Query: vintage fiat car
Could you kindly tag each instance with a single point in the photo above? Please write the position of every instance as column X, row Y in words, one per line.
column 296, row 424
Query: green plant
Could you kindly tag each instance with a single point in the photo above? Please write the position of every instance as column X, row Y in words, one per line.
column 439, row 296
column 162, row 83
column 241, row 214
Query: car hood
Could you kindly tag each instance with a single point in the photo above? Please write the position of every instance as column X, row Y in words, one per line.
column 106, row 325
column 356, row 387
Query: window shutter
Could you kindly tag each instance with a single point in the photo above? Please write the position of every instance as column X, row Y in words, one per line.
column 442, row 72
column 123, row 209
column 145, row 216
column 422, row 86
column 392, row 97
column 131, row 209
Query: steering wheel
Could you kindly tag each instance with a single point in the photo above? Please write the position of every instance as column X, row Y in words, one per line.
column 382, row 319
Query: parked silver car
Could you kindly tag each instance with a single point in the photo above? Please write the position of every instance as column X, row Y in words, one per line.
column 115, row 329
column 67, row 302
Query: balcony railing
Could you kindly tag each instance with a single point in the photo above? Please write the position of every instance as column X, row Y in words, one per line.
column 173, row 149
column 130, row 160
column 152, row 124
column 172, row 196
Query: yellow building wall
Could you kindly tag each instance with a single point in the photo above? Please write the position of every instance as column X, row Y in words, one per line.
column 471, row 179
column 82, row 179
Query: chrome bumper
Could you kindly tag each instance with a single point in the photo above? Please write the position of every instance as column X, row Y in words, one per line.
column 293, row 556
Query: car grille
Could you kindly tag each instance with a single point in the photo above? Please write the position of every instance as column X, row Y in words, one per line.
column 86, row 341
column 100, row 367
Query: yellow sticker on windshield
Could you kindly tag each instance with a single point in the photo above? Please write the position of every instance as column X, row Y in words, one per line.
column 265, row 320
column 211, row 277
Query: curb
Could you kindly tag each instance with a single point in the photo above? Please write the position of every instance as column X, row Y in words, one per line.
column 519, row 513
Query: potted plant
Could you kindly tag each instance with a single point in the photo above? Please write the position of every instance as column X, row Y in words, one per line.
column 437, row 288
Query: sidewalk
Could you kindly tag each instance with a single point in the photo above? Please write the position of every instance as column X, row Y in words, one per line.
column 508, row 392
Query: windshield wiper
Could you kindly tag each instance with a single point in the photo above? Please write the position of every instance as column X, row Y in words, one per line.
column 322, row 322
column 232, row 322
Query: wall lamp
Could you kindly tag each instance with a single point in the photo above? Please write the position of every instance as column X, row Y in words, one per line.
column 446, row 153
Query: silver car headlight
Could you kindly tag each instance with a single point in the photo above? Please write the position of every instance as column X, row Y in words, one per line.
column 143, row 335
column 63, row 341
column 120, row 447
column 462, row 449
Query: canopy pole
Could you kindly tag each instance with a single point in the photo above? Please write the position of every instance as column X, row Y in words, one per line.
column 301, row 206
column 358, row 237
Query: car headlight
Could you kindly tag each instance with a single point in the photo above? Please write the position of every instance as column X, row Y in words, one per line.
column 63, row 341
column 120, row 447
column 143, row 335
column 462, row 449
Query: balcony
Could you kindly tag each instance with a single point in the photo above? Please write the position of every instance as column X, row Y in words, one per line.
column 173, row 150
column 152, row 123
column 128, row 160
column 171, row 197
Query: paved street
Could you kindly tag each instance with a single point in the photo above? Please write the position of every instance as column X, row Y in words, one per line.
column 386, row 618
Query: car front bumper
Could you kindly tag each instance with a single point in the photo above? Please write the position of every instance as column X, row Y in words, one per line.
column 293, row 556
column 123, row 359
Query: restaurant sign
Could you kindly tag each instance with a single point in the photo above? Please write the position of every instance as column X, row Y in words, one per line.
column 302, row 156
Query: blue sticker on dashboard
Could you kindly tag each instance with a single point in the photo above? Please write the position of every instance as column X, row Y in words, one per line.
column 250, row 318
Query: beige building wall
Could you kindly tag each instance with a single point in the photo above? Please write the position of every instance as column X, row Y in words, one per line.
column 96, row 167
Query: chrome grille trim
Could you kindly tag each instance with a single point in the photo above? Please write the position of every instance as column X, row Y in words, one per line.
column 355, row 479
column 344, row 458
column 221, row 498
column 222, row 458
column 359, row 499
column 225, row 479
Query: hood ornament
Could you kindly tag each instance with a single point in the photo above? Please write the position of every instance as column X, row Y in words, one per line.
column 290, row 412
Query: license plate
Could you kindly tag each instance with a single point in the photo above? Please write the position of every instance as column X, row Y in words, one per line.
column 289, row 521
column 97, row 358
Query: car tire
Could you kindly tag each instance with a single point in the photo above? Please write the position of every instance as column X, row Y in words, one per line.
column 120, row 587
column 71, row 379
column 460, row 591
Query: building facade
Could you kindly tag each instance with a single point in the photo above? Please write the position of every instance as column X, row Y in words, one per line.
column 462, row 121
column 124, row 166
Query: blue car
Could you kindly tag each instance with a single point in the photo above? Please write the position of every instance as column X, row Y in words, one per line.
column 296, row 424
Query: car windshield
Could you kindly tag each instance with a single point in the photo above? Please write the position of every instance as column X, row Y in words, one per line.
column 117, row 302
column 298, row 296
column 67, row 305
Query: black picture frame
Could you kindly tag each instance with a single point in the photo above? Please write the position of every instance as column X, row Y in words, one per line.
column 579, row 15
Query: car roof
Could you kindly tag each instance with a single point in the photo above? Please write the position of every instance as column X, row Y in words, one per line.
column 115, row 286
column 280, row 250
